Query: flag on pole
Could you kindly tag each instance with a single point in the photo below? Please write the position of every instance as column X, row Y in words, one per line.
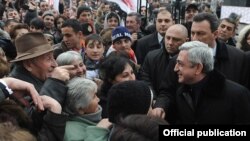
column 55, row 4
column 126, row 5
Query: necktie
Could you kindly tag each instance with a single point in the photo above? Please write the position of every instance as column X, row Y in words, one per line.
column 162, row 43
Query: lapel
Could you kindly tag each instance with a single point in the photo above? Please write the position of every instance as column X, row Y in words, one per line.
column 212, row 89
column 153, row 42
column 221, row 52
column 184, row 92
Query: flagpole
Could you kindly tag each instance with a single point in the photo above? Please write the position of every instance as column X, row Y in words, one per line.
column 146, row 12
column 138, row 5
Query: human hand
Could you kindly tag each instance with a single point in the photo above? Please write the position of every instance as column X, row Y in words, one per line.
column 21, row 89
column 158, row 112
column 98, row 82
column 104, row 123
column 134, row 37
column 32, row 5
column 51, row 104
column 63, row 73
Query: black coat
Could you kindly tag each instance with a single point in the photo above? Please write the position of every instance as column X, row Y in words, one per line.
column 145, row 45
column 229, row 60
column 154, row 66
column 53, row 127
column 248, row 68
column 220, row 101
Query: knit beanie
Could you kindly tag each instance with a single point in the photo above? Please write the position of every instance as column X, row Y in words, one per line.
column 82, row 9
column 119, row 33
column 128, row 97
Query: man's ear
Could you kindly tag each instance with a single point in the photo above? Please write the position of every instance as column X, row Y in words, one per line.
column 199, row 68
column 113, row 45
column 234, row 33
column 28, row 64
column 216, row 32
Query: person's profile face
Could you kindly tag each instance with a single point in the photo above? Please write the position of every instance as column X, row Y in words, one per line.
column 184, row 69
column 201, row 31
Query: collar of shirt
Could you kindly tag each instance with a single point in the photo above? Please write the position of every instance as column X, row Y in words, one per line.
column 159, row 37
column 214, row 49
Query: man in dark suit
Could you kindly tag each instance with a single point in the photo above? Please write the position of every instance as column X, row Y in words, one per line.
column 154, row 40
column 156, row 61
column 230, row 61
column 205, row 96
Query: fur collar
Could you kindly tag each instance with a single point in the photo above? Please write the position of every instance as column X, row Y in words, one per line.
column 215, row 83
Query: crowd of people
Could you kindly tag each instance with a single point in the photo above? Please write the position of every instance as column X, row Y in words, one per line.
column 92, row 72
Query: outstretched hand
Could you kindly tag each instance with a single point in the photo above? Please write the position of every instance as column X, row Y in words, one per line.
column 21, row 89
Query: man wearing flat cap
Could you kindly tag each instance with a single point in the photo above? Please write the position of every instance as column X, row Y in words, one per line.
column 190, row 11
column 35, row 64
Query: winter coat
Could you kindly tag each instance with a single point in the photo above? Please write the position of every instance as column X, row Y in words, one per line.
column 145, row 45
column 220, row 101
column 154, row 66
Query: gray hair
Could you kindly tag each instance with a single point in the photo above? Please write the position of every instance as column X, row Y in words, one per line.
column 137, row 16
column 68, row 57
column 199, row 52
column 79, row 94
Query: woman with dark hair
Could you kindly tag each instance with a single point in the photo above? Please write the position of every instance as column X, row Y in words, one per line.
column 113, row 70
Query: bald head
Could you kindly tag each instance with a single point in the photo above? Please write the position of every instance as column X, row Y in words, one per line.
column 175, row 36
column 179, row 28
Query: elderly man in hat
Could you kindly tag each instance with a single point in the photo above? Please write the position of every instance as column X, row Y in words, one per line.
column 35, row 64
